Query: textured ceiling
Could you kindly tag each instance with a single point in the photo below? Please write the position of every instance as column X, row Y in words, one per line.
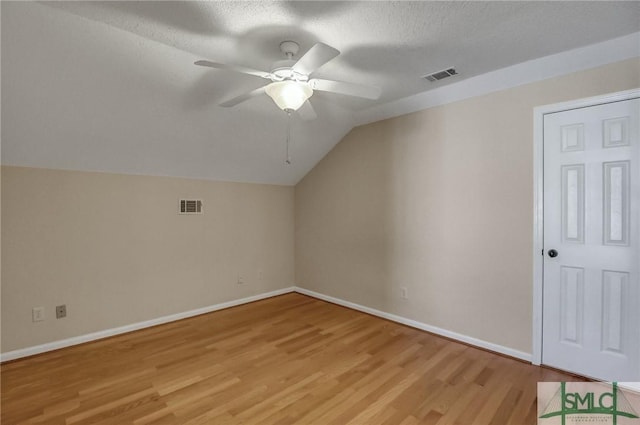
column 111, row 86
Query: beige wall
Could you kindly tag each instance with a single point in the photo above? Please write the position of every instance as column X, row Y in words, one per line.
column 115, row 251
column 440, row 202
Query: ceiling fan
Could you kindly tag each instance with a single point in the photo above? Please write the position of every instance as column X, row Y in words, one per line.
column 290, row 86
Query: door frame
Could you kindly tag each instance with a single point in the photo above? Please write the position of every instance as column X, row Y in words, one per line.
column 538, row 198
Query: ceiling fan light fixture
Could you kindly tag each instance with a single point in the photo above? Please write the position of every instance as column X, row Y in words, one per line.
column 289, row 95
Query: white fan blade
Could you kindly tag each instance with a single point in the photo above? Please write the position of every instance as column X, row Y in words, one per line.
column 235, row 68
column 243, row 97
column 350, row 89
column 307, row 112
column 315, row 57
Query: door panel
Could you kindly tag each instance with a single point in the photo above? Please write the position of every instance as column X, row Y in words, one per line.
column 571, row 305
column 591, row 289
column 616, row 203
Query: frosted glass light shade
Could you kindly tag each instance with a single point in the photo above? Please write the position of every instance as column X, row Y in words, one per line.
column 289, row 95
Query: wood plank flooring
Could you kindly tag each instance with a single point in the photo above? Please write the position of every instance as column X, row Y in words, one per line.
column 290, row 359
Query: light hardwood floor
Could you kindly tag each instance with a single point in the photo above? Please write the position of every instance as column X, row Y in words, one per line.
column 290, row 359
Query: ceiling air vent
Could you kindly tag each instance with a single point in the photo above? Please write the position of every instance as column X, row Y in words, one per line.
column 437, row 76
column 190, row 206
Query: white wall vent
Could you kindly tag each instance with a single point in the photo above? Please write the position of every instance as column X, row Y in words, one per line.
column 437, row 76
column 190, row 206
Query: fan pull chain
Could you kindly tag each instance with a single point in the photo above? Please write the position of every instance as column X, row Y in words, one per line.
column 288, row 159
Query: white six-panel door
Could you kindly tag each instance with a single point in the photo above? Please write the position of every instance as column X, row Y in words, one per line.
column 591, row 277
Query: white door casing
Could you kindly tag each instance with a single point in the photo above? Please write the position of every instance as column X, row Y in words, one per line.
column 587, row 298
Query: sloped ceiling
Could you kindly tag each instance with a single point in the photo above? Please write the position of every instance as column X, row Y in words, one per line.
column 111, row 86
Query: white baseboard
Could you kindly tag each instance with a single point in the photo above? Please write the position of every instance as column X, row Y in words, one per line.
column 55, row 345
column 423, row 326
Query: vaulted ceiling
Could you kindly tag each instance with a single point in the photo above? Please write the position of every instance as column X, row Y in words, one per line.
column 111, row 86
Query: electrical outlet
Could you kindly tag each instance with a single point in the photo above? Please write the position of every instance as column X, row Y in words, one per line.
column 240, row 280
column 61, row 311
column 404, row 293
column 37, row 314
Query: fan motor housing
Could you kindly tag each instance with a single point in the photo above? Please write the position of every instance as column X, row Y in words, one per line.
column 282, row 69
